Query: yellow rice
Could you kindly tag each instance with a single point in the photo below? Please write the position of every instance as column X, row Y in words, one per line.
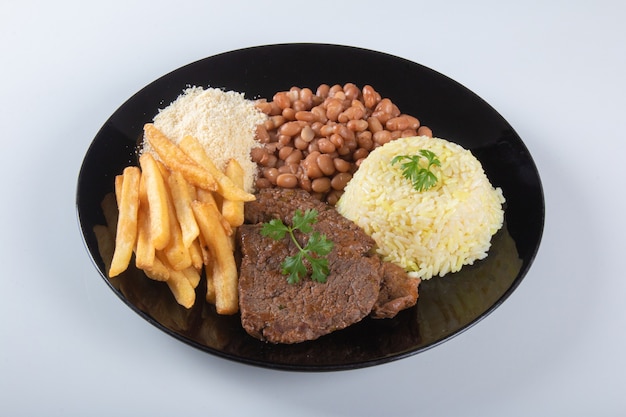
column 432, row 232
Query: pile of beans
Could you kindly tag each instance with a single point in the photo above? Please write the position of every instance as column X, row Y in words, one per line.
column 317, row 140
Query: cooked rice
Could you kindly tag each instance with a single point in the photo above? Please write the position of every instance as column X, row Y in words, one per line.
column 432, row 232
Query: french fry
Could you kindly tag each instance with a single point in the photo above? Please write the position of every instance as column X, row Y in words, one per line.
column 177, row 254
column 176, row 160
column 192, row 275
column 158, row 271
column 225, row 186
column 181, row 288
column 144, row 249
column 209, row 271
column 225, row 270
column 127, row 221
column 207, row 197
column 206, row 256
column 195, row 252
column 178, row 283
column 179, row 190
column 232, row 210
column 157, row 201
column 118, row 188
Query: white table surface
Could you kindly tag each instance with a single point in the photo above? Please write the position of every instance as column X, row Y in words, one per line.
column 555, row 70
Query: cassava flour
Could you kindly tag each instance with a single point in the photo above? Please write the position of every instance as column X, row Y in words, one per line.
column 223, row 121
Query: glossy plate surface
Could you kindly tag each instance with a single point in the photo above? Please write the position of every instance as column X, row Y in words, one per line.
column 446, row 306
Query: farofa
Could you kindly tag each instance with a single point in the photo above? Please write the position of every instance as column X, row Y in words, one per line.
column 432, row 232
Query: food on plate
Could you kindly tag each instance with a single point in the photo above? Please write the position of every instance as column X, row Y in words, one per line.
column 224, row 122
column 305, row 214
column 430, row 232
column 223, row 270
column 312, row 253
column 274, row 310
column 316, row 140
column 170, row 218
column 128, row 206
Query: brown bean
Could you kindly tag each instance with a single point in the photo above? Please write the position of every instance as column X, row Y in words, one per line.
column 320, row 113
column 333, row 196
column 359, row 125
column 425, row 131
column 313, row 147
column 334, row 107
column 307, row 133
column 385, row 110
column 388, row 107
column 264, row 106
column 335, row 89
column 306, row 116
column 374, row 124
column 284, row 152
column 328, row 129
column 326, row 146
column 341, row 165
column 290, row 128
column 370, row 97
column 344, row 132
column 310, row 166
column 289, row 113
column 305, row 183
column 298, row 105
column 351, row 113
column 256, row 154
column 262, row 183
column 340, row 180
column 364, row 140
column 325, row 163
column 287, row 180
column 294, row 93
column 300, row 143
column 268, row 160
column 282, row 99
column 343, row 151
column 274, row 122
column 402, row 122
column 306, row 96
column 294, row 157
column 408, row 133
column 321, row 185
column 382, row 137
column 289, row 169
column 316, row 127
column 360, row 154
column 284, row 140
column 351, row 90
column 271, row 174
column 337, row 140
column 261, row 134
column 323, row 90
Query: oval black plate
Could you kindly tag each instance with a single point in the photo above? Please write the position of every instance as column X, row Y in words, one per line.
column 446, row 307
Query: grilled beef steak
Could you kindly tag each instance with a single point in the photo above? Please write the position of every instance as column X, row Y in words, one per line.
column 358, row 282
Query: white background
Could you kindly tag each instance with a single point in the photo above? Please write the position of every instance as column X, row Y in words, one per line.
column 554, row 69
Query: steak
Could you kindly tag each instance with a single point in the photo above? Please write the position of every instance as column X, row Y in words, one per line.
column 358, row 284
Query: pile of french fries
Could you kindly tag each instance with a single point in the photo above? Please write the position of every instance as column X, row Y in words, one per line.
column 177, row 213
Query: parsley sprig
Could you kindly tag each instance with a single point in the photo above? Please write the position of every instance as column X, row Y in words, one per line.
column 421, row 177
column 313, row 252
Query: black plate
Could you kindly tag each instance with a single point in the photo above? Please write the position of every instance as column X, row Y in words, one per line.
column 446, row 307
